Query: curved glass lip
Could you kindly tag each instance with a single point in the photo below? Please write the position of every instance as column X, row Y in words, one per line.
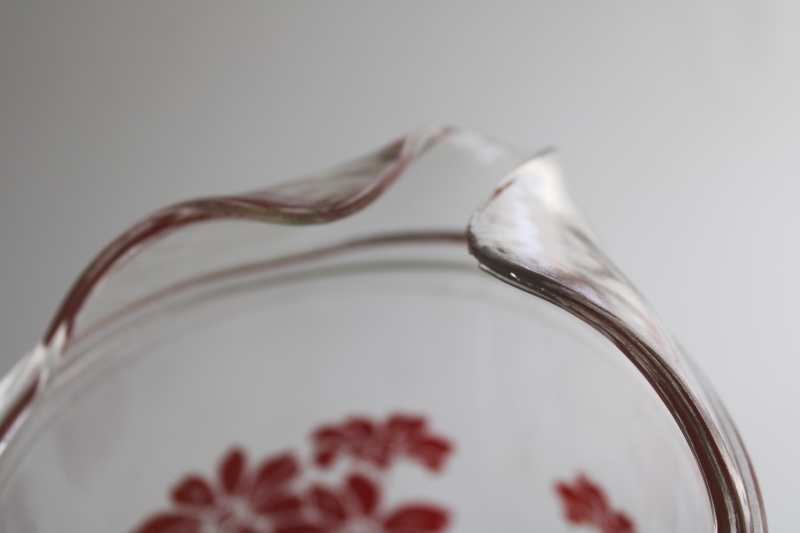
column 313, row 200
column 527, row 234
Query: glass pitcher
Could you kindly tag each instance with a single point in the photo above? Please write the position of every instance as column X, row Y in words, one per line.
column 396, row 345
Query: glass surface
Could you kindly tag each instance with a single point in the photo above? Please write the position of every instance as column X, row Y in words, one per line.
column 356, row 371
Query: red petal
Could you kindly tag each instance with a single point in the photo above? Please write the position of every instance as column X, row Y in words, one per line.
column 169, row 523
column 417, row 518
column 324, row 459
column 300, row 528
column 359, row 432
column 328, row 433
column 365, row 491
column 278, row 503
column 585, row 503
column 193, row 490
column 432, row 451
column 327, row 442
column 619, row 523
column 357, row 436
column 406, row 426
column 591, row 493
column 328, row 503
column 231, row 469
column 276, row 471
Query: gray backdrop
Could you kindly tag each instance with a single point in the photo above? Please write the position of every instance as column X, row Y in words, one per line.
column 678, row 126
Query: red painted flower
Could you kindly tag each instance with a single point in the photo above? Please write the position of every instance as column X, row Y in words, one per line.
column 381, row 443
column 355, row 508
column 586, row 503
column 240, row 501
column 275, row 498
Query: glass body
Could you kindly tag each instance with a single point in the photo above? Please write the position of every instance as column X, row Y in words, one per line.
column 348, row 366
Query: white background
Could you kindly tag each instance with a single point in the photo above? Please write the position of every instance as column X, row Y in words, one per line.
column 678, row 126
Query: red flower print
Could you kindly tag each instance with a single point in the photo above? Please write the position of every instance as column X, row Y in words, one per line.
column 241, row 501
column 273, row 497
column 381, row 443
column 355, row 508
column 586, row 503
